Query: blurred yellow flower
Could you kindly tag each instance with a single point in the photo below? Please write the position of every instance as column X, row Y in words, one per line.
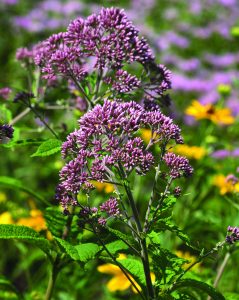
column 193, row 152
column 210, row 112
column 146, row 135
column 35, row 220
column 103, row 187
column 119, row 282
column 191, row 258
column 6, row 218
column 225, row 185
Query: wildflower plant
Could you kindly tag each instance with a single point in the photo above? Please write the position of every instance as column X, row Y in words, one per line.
column 105, row 62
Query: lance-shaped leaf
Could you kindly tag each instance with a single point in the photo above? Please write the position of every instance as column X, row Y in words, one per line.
column 26, row 234
column 198, row 285
column 48, row 147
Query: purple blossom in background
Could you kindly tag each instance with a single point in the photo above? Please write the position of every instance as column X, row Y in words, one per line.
column 9, row 2
column 223, row 153
column 108, row 139
column 5, row 92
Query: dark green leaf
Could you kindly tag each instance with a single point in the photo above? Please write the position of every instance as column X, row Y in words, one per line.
column 48, row 147
column 26, row 234
column 199, row 285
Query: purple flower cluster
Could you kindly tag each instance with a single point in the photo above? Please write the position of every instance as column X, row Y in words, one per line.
column 233, row 234
column 109, row 37
column 104, row 45
column 125, row 82
column 108, row 140
column 6, row 132
column 111, row 207
column 178, row 165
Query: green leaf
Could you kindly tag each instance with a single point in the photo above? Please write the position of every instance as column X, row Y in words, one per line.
column 199, row 285
column 135, row 268
column 68, row 248
column 116, row 246
column 55, row 220
column 87, row 251
column 166, row 224
column 24, row 233
column 82, row 252
column 16, row 184
column 48, row 147
column 122, row 236
column 231, row 296
column 5, row 114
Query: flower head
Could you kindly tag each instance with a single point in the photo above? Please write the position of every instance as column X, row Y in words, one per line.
column 35, row 220
column 190, row 151
column 232, row 234
column 108, row 138
column 218, row 116
column 6, row 132
column 5, row 92
column 111, row 207
column 104, row 44
column 226, row 184
column 178, row 165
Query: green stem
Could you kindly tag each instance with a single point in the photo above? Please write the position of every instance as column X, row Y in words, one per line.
column 43, row 121
column 154, row 190
column 142, row 240
column 117, row 263
column 52, row 280
column 221, row 269
column 201, row 257
column 79, row 86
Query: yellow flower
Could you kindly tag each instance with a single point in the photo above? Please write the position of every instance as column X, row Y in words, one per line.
column 190, row 151
column 104, row 187
column 6, row 218
column 146, row 135
column 119, row 282
column 35, row 220
column 191, row 258
column 226, row 186
column 210, row 112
